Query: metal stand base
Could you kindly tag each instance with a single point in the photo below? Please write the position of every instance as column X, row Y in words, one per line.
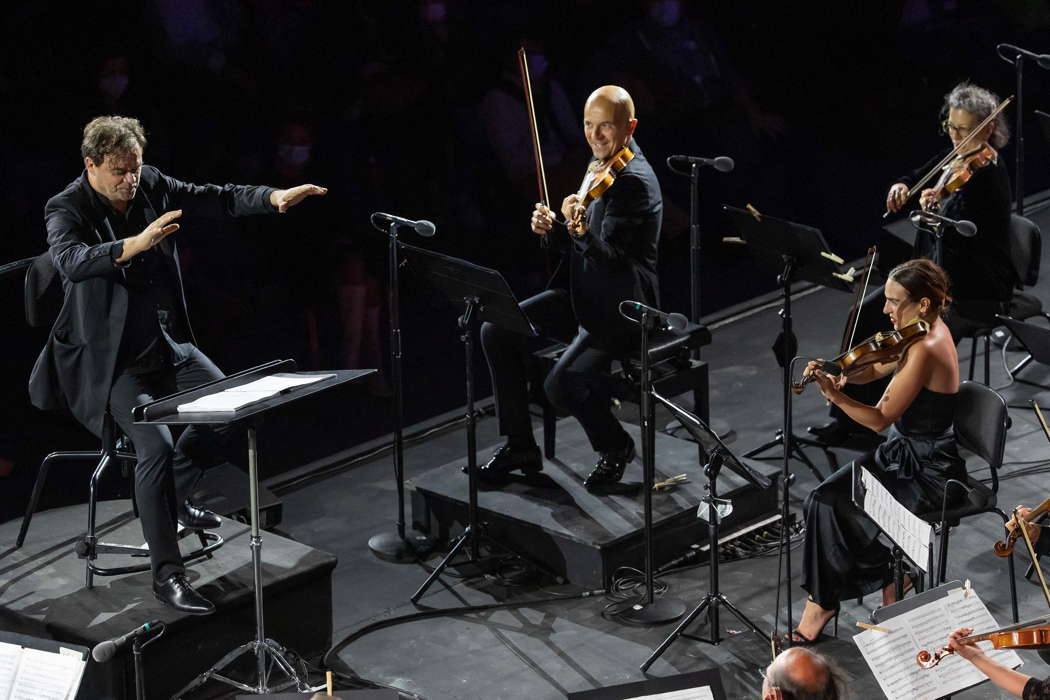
column 658, row 612
column 710, row 604
column 467, row 537
column 388, row 546
column 796, row 452
column 269, row 653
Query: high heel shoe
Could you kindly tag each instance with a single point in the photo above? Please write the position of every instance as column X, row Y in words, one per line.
column 797, row 639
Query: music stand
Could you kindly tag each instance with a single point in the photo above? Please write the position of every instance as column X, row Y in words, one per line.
column 484, row 296
column 793, row 252
column 717, row 455
column 165, row 412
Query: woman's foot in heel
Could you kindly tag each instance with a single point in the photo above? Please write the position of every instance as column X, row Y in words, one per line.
column 810, row 628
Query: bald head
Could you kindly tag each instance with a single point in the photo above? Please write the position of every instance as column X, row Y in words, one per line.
column 608, row 120
column 805, row 675
column 614, row 98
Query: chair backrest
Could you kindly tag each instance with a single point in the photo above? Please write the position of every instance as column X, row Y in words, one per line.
column 981, row 422
column 43, row 292
column 1026, row 245
column 1035, row 339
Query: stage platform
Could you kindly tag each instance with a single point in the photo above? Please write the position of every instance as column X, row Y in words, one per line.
column 42, row 594
column 581, row 536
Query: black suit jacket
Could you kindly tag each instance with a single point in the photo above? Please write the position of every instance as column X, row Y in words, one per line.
column 616, row 259
column 77, row 365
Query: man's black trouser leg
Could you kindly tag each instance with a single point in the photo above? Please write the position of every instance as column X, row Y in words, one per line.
column 166, row 471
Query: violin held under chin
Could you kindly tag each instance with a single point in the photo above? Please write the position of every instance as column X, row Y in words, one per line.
column 882, row 348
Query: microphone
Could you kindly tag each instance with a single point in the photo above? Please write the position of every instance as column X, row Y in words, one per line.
column 424, row 228
column 965, row 228
column 722, row 164
column 104, row 651
column 634, row 310
column 1043, row 60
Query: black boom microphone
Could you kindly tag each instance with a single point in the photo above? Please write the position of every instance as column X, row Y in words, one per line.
column 634, row 310
column 722, row 164
column 104, row 651
column 965, row 228
column 423, row 227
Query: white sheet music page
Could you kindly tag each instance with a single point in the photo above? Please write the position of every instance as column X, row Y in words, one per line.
column 231, row 399
column 702, row 693
column 909, row 532
column 891, row 655
column 10, row 654
column 43, row 675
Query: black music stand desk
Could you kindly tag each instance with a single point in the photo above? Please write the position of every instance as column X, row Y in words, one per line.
column 165, row 412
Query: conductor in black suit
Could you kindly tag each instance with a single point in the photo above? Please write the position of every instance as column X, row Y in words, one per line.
column 123, row 336
column 611, row 257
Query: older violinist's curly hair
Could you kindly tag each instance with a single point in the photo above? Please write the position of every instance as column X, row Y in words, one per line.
column 922, row 277
column 980, row 103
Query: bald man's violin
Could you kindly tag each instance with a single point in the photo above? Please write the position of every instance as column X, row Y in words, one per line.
column 881, row 348
column 599, row 178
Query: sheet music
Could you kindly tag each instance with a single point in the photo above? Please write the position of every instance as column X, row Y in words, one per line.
column 43, row 675
column 891, row 655
column 10, row 654
column 702, row 693
column 909, row 532
column 236, row 397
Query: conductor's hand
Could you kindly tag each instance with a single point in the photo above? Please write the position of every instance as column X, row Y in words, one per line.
column 157, row 231
column 967, row 651
column 1033, row 529
column 897, row 196
column 542, row 218
column 283, row 199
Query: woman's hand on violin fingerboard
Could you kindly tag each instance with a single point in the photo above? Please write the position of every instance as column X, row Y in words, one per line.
column 897, row 196
column 967, row 651
column 1033, row 529
column 542, row 219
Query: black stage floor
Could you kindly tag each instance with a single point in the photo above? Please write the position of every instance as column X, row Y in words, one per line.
column 546, row 650
column 549, row 650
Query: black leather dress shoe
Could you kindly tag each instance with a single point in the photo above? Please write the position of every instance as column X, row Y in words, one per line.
column 506, row 460
column 834, row 432
column 610, row 467
column 176, row 592
column 193, row 518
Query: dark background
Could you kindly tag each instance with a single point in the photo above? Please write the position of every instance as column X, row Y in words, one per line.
column 411, row 107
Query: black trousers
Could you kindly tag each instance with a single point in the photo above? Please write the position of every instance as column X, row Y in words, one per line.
column 166, row 470
column 576, row 384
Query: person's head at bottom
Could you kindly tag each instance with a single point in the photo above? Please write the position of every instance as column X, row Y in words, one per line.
column 800, row 674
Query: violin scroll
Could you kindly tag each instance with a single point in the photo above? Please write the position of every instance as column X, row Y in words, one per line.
column 926, row 660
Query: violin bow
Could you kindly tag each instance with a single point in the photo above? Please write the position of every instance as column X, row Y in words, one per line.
column 1042, row 421
column 1023, row 524
column 541, row 174
column 954, row 152
column 858, row 302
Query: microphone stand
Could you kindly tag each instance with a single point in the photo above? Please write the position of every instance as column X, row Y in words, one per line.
column 1018, row 62
column 397, row 546
column 136, row 652
column 719, row 427
column 649, row 611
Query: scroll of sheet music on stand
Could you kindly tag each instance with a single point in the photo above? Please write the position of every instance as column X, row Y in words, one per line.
column 909, row 532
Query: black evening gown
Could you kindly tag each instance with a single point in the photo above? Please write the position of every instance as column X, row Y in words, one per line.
column 843, row 557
